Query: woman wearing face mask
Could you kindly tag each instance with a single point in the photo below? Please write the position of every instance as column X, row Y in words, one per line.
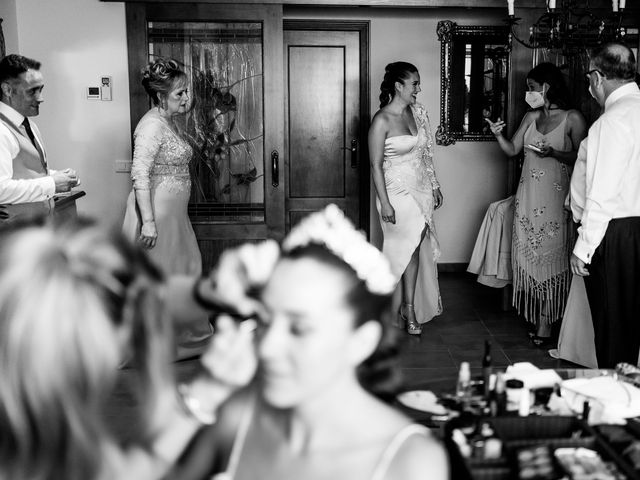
column 550, row 134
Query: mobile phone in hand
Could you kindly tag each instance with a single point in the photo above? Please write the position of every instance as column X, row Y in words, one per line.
column 533, row 147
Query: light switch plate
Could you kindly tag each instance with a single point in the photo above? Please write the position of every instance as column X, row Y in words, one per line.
column 105, row 88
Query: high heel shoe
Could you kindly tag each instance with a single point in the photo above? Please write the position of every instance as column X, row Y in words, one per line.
column 412, row 326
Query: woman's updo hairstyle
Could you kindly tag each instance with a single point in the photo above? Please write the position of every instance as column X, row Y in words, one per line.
column 394, row 72
column 160, row 77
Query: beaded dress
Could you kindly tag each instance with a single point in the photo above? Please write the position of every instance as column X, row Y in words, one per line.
column 161, row 165
column 410, row 180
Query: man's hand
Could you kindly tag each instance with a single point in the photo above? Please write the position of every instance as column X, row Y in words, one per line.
column 65, row 179
column 578, row 267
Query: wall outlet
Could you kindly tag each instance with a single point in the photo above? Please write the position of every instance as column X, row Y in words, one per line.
column 123, row 166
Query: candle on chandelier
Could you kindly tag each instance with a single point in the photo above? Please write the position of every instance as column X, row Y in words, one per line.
column 510, row 7
column 552, row 4
column 615, row 5
column 623, row 3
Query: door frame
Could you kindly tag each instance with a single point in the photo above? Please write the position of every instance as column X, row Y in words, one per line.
column 270, row 16
column 362, row 27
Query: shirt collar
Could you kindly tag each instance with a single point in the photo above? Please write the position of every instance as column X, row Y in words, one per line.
column 12, row 114
column 626, row 89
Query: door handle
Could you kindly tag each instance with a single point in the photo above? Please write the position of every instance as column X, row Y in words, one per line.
column 275, row 169
column 354, row 152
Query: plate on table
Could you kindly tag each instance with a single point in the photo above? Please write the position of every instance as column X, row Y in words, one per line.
column 423, row 400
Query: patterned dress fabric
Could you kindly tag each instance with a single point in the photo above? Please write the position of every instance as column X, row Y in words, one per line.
column 410, row 180
column 161, row 165
column 542, row 234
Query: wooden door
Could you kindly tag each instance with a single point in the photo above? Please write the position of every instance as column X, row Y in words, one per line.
column 325, row 143
column 233, row 57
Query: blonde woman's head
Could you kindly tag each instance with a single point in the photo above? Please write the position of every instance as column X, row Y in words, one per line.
column 74, row 303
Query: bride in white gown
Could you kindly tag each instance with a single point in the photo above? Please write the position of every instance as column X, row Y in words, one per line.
column 401, row 149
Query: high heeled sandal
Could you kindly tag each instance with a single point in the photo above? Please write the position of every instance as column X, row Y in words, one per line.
column 412, row 326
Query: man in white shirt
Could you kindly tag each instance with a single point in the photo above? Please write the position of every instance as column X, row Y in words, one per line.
column 24, row 175
column 605, row 192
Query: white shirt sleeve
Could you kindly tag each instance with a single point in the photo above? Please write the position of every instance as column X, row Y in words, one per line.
column 609, row 152
column 19, row 190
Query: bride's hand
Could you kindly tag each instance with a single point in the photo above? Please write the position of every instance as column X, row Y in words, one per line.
column 388, row 214
column 437, row 198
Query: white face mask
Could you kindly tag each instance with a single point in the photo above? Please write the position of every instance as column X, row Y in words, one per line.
column 534, row 99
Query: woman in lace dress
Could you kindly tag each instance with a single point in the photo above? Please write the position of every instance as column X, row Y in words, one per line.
column 401, row 150
column 156, row 214
column 550, row 134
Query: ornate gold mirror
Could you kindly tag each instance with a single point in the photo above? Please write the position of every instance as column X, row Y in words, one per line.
column 473, row 80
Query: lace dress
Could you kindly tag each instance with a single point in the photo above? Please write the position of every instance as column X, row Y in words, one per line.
column 410, row 180
column 161, row 165
column 542, row 235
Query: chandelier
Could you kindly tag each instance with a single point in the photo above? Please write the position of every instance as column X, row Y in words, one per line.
column 570, row 26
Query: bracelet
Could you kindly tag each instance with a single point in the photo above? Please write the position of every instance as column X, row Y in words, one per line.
column 148, row 221
column 192, row 406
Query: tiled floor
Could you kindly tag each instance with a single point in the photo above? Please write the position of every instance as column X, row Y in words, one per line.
column 472, row 313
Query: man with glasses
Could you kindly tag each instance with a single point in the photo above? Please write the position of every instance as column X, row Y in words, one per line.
column 607, row 252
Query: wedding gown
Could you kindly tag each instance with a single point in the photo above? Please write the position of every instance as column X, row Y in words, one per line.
column 410, row 180
column 161, row 165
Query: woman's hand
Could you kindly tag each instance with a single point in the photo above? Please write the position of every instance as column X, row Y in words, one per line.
column 148, row 235
column 437, row 198
column 388, row 214
column 230, row 358
column 546, row 151
column 496, row 127
column 239, row 271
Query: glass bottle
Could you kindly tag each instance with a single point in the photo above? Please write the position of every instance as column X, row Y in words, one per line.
column 464, row 381
column 486, row 368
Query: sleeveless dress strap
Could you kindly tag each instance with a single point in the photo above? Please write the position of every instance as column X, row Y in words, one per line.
column 393, row 447
column 238, row 443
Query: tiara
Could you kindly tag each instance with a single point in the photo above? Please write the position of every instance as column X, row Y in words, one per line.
column 330, row 227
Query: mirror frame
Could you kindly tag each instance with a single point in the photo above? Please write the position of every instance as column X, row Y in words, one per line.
column 447, row 31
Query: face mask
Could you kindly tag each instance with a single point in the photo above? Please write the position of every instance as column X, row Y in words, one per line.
column 534, row 99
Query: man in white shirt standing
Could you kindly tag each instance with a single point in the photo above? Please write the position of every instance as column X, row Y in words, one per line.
column 606, row 197
column 24, row 175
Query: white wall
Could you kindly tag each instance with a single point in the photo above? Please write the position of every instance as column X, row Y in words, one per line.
column 471, row 174
column 78, row 41
column 91, row 135
column 9, row 25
